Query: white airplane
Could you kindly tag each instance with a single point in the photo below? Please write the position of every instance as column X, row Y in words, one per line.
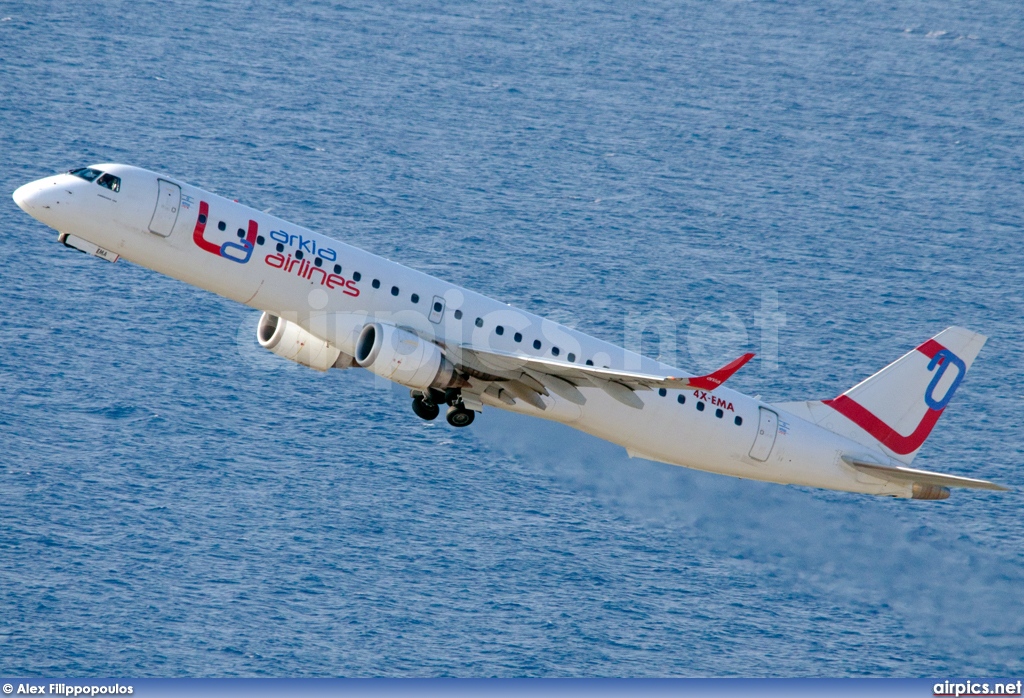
column 330, row 305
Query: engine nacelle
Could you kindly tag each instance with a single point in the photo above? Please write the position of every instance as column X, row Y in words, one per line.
column 403, row 357
column 288, row 340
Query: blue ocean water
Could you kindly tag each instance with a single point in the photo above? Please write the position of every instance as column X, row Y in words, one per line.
column 174, row 502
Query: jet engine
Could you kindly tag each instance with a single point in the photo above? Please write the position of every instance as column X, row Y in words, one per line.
column 403, row 357
column 290, row 341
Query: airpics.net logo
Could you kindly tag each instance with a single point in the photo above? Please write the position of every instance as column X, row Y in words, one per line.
column 976, row 688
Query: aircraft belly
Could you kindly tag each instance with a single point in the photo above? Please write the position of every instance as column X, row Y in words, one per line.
column 801, row 456
column 654, row 432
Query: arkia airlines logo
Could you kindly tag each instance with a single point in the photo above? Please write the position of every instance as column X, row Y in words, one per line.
column 941, row 360
column 239, row 251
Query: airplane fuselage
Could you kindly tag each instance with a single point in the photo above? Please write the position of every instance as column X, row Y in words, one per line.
column 332, row 290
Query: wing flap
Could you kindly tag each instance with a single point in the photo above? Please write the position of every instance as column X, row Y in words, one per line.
column 560, row 386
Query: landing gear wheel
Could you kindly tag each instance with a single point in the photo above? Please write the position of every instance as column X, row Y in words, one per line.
column 425, row 410
column 459, row 416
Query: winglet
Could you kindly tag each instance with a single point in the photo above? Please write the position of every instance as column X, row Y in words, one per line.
column 713, row 380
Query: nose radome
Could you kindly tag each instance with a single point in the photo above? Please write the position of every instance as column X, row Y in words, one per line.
column 24, row 195
column 40, row 195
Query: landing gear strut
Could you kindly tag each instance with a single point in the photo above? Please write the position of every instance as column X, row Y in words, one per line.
column 459, row 416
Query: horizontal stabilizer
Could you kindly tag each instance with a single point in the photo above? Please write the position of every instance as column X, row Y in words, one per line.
column 900, row 474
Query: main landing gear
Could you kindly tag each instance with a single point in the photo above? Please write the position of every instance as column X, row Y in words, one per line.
column 459, row 416
column 425, row 410
column 426, row 407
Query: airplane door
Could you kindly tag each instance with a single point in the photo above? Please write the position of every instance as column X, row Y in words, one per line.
column 767, row 427
column 168, row 200
column 436, row 309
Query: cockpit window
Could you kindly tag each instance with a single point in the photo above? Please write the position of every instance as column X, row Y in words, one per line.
column 110, row 182
column 86, row 173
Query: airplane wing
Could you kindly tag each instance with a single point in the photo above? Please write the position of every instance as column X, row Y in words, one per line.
column 526, row 374
column 901, row 474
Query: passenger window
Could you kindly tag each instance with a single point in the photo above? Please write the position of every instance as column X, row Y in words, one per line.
column 415, row 298
column 356, row 276
column 518, row 337
column 571, row 357
column 479, row 322
column 681, row 399
column 260, row 240
column 536, row 344
column 662, row 392
column 394, row 290
column 719, row 413
column 298, row 254
column 86, row 173
column 589, row 362
column 555, row 351
column 376, row 283
column 110, row 182
column 458, row 314
column 499, row 330
column 700, row 406
column 240, row 233
column 337, row 268
column 222, row 226
column 738, row 420
column 280, row 247
column 438, row 307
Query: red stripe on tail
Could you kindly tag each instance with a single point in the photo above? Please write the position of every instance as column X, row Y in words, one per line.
column 886, row 435
column 930, row 348
column 882, row 432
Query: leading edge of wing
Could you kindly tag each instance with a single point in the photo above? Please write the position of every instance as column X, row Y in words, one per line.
column 901, row 474
column 500, row 362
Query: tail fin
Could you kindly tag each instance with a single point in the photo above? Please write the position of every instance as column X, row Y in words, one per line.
column 896, row 409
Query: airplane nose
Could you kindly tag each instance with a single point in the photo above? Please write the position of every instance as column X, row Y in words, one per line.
column 34, row 196
column 24, row 196
column 41, row 199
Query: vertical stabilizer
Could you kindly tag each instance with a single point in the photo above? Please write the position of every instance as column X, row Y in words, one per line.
column 896, row 409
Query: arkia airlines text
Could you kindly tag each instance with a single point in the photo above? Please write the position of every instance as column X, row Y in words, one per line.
column 453, row 347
